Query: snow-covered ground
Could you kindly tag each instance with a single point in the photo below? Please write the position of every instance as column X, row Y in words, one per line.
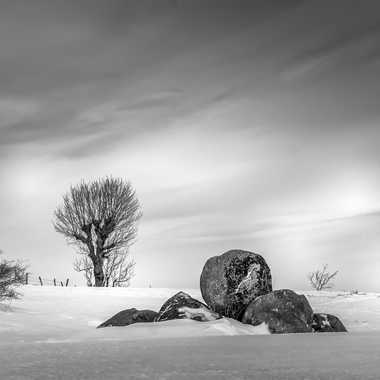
column 56, row 314
column 50, row 332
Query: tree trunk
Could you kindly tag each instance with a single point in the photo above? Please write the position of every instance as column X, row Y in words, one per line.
column 98, row 272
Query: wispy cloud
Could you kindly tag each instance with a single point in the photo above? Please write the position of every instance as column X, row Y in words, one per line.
column 16, row 110
column 332, row 51
column 159, row 99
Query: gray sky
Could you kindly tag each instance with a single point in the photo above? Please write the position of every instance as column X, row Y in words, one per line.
column 241, row 124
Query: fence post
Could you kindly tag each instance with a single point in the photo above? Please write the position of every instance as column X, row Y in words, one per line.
column 26, row 278
column 67, row 282
column 39, row 277
column 55, row 282
column 61, row 283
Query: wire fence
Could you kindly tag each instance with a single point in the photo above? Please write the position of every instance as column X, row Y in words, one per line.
column 31, row 279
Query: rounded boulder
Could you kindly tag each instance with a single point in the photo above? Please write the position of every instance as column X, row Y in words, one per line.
column 183, row 306
column 129, row 317
column 229, row 282
column 284, row 311
column 323, row 322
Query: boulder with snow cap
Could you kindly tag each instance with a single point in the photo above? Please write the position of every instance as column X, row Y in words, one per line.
column 327, row 323
column 229, row 282
column 130, row 316
column 183, row 306
column 284, row 311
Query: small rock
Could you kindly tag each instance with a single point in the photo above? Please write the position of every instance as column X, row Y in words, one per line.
column 327, row 323
column 183, row 306
column 130, row 316
column 284, row 311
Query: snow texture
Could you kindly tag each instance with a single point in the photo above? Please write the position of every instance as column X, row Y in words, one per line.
column 202, row 312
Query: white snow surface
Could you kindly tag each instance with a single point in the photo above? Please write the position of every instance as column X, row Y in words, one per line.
column 51, row 313
column 51, row 331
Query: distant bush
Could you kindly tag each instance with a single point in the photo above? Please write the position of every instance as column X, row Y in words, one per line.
column 320, row 279
column 12, row 274
column 356, row 292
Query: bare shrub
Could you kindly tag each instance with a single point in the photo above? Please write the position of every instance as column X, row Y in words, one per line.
column 321, row 279
column 12, row 275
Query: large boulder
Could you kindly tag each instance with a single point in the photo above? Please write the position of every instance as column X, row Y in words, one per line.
column 283, row 311
column 229, row 282
column 182, row 306
column 130, row 316
column 327, row 323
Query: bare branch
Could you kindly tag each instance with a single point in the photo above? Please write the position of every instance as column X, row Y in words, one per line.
column 84, row 264
column 118, row 269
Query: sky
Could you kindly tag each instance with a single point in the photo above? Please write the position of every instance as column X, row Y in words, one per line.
column 241, row 124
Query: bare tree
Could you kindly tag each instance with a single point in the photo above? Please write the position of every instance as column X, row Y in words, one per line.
column 12, row 275
column 100, row 219
column 321, row 279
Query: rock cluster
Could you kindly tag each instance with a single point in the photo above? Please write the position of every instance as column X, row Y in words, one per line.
column 180, row 306
column 238, row 284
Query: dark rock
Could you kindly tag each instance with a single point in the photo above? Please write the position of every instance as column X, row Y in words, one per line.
column 182, row 306
column 229, row 282
column 130, row 316
column 283, row 311
column 327, row 323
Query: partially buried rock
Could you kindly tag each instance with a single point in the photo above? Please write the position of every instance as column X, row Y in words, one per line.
column 229, row 282
column 327, row 323
column 183, row 306
column 130, row 316
column 283, row 311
